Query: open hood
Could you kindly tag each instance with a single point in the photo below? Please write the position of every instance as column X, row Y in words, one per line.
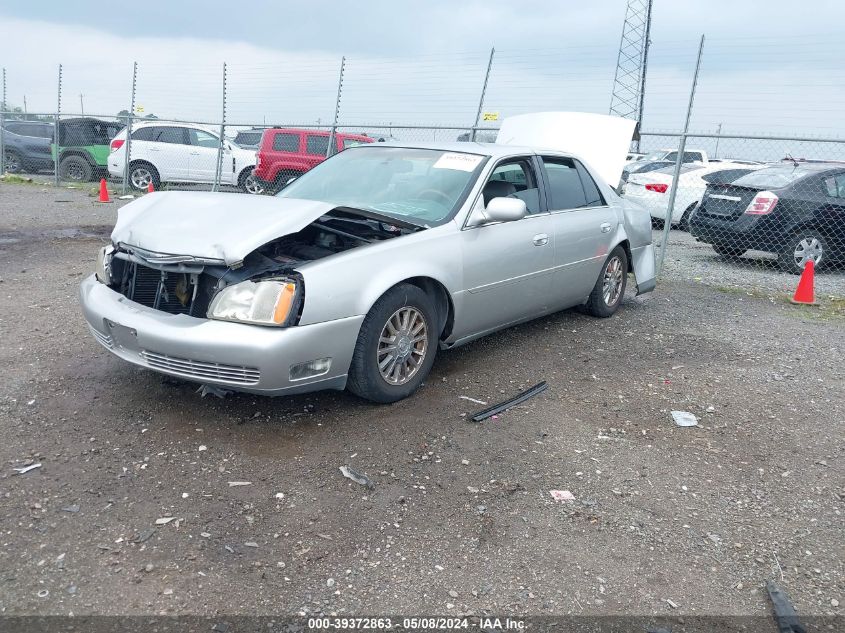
column 602, row 141
column 218, row 226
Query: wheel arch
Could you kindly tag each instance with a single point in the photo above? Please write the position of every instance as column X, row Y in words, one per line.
column 442, row 302
column 68, row 153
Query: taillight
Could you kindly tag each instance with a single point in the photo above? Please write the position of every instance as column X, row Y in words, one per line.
column 763, row 203
column 116, row 144
column 659, row 187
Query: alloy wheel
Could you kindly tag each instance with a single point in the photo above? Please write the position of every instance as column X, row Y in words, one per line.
column 141, row 178
column 402, row 346
column 74, row 172
column 13, row 163
column 808, row 248
column 251, row 185
column 612, row 284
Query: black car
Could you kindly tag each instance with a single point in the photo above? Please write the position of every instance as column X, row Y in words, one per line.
column 26, row 145
column 796, row 211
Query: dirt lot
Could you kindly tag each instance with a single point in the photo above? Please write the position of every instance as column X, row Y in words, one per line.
column 461, row 519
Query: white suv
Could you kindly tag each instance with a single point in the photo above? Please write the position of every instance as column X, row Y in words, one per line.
column 177, row 152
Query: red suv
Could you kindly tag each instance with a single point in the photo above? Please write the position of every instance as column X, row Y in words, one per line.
column 286, row 153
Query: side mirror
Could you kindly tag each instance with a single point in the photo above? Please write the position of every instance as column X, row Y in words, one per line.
column 505, row 210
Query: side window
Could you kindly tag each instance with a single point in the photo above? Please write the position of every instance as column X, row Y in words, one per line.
column 591, row 189
column 175, row 135
column 835, row 186
column 565, row 188
column 673, row 156
column 286, row 142
column 351, row 142
column 14, row 128
column 203, row 139
column 145, row 134
column 516, row 179
column 317, row 145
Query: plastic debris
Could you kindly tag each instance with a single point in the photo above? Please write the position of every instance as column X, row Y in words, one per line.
column 785, row 615
column 280, row 495
column 684, row 418
column 251, row 544
column 205, row 390
column 72, row 508
column 233, row 484
column 144, row 536
column 507, row 404
column 562, row 495
column 357, row 477
column 26, row 469
column 128, row 196
column 202, row 447
column 164, row 520
column 472, row 400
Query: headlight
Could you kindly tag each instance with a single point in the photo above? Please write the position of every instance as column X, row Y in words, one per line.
column 269, row 302
column 103, row 271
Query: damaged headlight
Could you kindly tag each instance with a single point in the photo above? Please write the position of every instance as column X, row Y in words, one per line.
column 267, row 302
column 103, row 270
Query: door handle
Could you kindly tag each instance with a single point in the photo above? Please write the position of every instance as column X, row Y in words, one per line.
column 605, row 227
column 195, row 153
column 154, row 149
column 541, row 239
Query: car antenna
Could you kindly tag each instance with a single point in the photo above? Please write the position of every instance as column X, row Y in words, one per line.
column 790, row 157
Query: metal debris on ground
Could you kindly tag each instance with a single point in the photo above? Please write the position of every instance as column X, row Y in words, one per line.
column 562, row 495
column 25, row 469
column 476, row 401
column 234, row 484
column 72, row 509
column 507, row 404
column 684, row 418
column 357, row 477
column 785, row 616
column 205, row 390
column 164, row 520
column 144, row 536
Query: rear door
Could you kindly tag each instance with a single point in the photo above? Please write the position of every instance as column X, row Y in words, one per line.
column 316, row 148
column 203, row 157
column 583, row 226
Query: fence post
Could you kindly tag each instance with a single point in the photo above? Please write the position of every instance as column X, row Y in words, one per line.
column 483, row 92
column 56, row 127
column 2, row 130
column 676, row 176
column 126, row 151
column 218, row 172
column 333, row 132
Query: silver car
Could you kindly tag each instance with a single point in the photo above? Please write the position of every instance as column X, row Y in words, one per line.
column 356, row 273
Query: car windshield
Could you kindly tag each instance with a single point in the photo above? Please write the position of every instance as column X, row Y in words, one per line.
column 772, row 177
column 420, row 186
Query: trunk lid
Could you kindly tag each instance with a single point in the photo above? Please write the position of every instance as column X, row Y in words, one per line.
column 726, row 202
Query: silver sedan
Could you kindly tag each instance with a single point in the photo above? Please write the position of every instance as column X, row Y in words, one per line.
column 359, row 271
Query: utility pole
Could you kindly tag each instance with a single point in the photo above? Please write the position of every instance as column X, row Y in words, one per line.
column 483, row 94
column 719, row 132
column 81, row 105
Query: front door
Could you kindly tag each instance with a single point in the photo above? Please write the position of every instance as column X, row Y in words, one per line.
column 583, row 226
column 203, row 157
column 507, row 266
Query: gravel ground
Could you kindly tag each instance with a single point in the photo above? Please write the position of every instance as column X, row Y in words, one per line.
column 461, row 519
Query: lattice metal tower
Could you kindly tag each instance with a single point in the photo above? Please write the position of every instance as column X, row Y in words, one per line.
column 629, row 81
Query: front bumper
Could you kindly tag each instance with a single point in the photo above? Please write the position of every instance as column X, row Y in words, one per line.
column 236, row 356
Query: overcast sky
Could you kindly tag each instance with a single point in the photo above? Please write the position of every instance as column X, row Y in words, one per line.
column 768, row 66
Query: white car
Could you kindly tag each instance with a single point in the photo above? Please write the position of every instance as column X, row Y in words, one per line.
column 176, row 152
column 651, row 189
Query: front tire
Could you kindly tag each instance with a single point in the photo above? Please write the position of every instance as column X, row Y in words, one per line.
column 804, row 245
column 396, row 346
column 14, row 164
column 683, row 224
column 75, row 169
column 609, row 290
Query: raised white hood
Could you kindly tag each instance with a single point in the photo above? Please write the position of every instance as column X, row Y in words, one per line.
column 225, row 227
column 601, row 140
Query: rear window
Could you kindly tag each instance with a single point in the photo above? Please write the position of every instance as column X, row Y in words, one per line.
column 772, row 177
column 286, row 142
column 352, row 142
column 248, row 138
column 724, row 176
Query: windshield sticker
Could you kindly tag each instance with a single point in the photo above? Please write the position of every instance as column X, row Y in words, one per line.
column 461, row 162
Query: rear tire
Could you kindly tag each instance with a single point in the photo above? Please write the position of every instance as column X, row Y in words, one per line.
column 805, row 244
column 141, row 174
column 396, row 346
column 248, row 182
column 75, row 169
column 609, row 290
column 683, row 224
column 729, row 252
column 14, row 164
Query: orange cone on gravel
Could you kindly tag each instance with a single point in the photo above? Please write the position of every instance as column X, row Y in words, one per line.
column 805, row 293
column 104, row 191
column 150, row 188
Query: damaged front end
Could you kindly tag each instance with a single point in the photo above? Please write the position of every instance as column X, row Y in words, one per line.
column 262, row 289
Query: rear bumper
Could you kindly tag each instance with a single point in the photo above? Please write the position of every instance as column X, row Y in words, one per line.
column 747, row 231
column 236, row 356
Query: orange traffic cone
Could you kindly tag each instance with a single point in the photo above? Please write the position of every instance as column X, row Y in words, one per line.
column 104, row 191
column 150, row 188
column 805, row 293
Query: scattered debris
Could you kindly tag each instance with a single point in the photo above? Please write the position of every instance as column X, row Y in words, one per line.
column 168, row 592
column 465, row 462
column 128, row 196
column 280, row 495
column 43, row 593
column 472, row 400
column 684, row 418
column 507, row 404
column 205, row 390
column 72, row 508
column 330, row 582
column 26, row 469
column 325, row 537
column 250, row 544
column 164, row 520
column 562, row 495
column 234, row 484
column 205, row 535
column 672, row 604
column 357, row 477
column 202, row 447
column 144, row 536
column 473, row 490
column 785, row 615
